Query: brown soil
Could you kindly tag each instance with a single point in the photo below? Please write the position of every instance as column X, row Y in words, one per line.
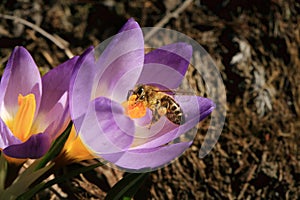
column 257, row 155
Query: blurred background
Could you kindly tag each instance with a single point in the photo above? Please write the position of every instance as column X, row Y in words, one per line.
column 255, row 45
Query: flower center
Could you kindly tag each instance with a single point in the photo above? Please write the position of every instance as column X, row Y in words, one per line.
column 22, row 122
column 75, row 149
column 135, row 109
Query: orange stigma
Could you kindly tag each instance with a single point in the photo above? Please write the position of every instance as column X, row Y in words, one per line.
column 21, row 125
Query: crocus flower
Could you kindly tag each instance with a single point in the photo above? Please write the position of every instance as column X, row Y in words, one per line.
column 99, row 89
column 34, row 110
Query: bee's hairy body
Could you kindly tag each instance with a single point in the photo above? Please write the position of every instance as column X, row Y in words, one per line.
column 160, row 103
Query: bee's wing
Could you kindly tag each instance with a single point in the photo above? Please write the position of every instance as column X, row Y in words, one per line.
column 130, row 92
column 175, row 92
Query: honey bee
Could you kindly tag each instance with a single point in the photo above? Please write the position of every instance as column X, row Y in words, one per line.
column 159, row 102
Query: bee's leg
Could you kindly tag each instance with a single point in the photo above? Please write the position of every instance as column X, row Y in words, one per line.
column 155, row 117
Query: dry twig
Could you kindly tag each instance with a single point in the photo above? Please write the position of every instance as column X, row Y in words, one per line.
column 60, row 43
column 167, row 17
column 249, row 177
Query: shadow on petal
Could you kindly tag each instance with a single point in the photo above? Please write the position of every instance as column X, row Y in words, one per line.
column 35, row 147
column 167, row 65
column 144, row 160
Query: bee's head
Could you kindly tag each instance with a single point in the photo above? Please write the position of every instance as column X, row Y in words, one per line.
column 138, row 91
column 136, row 106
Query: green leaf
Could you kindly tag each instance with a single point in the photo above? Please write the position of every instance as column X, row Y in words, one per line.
column 29, row 194
column 127, row 187
column 22, row 183
column 55, row 148
column 36, row 169
column 3, row 172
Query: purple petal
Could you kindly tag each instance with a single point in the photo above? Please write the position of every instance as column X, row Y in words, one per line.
column 81, row 86
column 55, row 120
column 206, row 107
column 167, row 65
column 120, row 76
column 105, row 128
column 6, row 136
column 55, row 83
column 165, row 131
column 54, row 101
column 21, row 76
column 121, row 63
column 147, row 159
column 130, row 24
column 35, row 147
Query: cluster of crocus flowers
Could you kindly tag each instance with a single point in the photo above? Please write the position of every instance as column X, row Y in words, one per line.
column 93, row 92
column 104, row 123
column 34, row 110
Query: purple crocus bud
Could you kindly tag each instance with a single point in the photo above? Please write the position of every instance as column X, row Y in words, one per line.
column 34, row 110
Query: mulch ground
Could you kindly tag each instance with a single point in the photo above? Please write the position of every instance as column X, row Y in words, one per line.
column 255, row 45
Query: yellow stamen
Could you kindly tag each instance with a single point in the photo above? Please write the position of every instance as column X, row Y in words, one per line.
column 133, row 108
column 23, row 120
column 75, row 150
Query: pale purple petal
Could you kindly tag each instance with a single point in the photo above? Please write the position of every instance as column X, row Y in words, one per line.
column 194, row 108
column 21, row 76
column 35, row 147
column 121, row 76
column 81, row 86
column 105, row 128
column 130, row 24
column 206, row 107
column 147, row 159
column 54, row 103
column 121, row 63
column 56, row 83
column 166, row 66
column 55, row 120
column 6, row 136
